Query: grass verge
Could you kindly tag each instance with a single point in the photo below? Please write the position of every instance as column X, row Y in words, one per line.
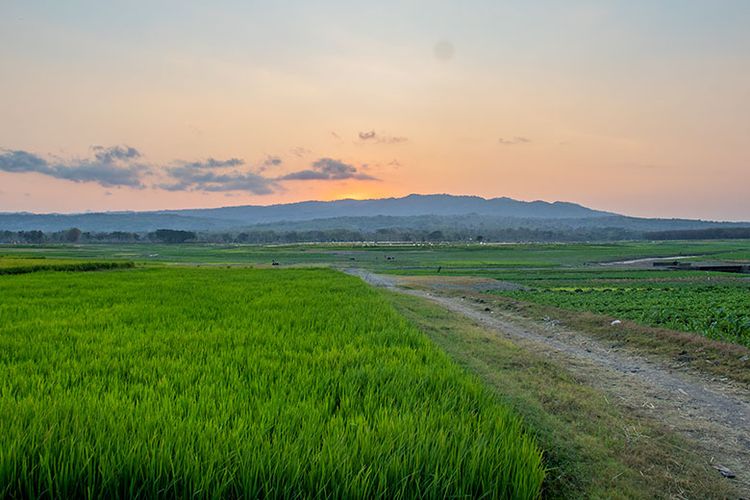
column 592, row 448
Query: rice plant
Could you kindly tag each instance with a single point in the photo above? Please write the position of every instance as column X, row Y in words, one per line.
column 239, row 383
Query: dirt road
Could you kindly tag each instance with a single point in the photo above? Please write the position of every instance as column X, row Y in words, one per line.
column 713, row 415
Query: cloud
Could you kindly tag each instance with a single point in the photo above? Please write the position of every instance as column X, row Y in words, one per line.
column 272, row 161
column 22, row 162
column 122, row 166
column 326, row 169
column 213, row 163
column 115, row 166
column 107, row 175
column 513, row 141
column 300, row 152
column 196, row 177
column 114, row 153
column 376, row 138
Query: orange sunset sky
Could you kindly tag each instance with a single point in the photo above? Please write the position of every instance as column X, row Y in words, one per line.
column 636, row 107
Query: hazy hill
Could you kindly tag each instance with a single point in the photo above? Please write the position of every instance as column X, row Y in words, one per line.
column 438, row 211
column 414, row 204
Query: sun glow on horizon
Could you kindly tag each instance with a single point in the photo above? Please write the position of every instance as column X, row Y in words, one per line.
column 355, row 194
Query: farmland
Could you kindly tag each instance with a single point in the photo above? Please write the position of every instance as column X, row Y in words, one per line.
column 409, row 259
column 238, row 382
column 22, row 265
column 176, row 369
column 720, row 311
column 574, row 276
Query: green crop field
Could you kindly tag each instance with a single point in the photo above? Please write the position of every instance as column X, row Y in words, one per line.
column 203, row 370
column 176, row 382
column 22, row 265
column 712, row 304
column 414, row 258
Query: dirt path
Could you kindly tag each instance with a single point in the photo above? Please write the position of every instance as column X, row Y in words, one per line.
column 712, row 414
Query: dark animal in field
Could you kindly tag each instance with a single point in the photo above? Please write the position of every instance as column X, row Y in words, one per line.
column 274, row 263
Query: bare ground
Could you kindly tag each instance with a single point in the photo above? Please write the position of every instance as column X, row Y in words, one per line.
column 713, row 415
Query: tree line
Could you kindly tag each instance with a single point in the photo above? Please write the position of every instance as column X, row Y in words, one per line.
column 717, row 233
column 75, row 235
column 268, row 236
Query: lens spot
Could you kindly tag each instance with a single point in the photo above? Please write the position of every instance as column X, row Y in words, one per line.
column 444, row 50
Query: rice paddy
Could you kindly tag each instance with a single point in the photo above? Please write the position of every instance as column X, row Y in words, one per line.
column 23, row 265
column 239, row 382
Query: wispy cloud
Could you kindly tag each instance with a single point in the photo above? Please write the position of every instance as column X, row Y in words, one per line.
column 110, row 167
column 328, row 169
column 272, row 161
column 513, row 140
column 299, row 151
column 208, row 176
column 373, row 137
column 214, row 163
column 114, row 153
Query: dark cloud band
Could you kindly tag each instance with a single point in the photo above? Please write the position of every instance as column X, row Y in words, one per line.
column 121, row 166
column 109, row 167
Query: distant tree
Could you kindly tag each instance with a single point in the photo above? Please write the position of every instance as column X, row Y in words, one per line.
column 479, row 238
column 701, row 234
column 436, row 236
column 123, row 236
column 31, row 236
column 291, row 237
column 172, row 236
column 72, row 235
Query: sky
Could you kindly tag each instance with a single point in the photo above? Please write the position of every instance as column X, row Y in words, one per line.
column 638, row 107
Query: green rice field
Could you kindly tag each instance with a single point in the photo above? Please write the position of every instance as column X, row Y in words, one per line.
column 415, row 258
column 177, row 382
column 21, row 265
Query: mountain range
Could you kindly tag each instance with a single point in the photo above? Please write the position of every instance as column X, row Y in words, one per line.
column 413, row 211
